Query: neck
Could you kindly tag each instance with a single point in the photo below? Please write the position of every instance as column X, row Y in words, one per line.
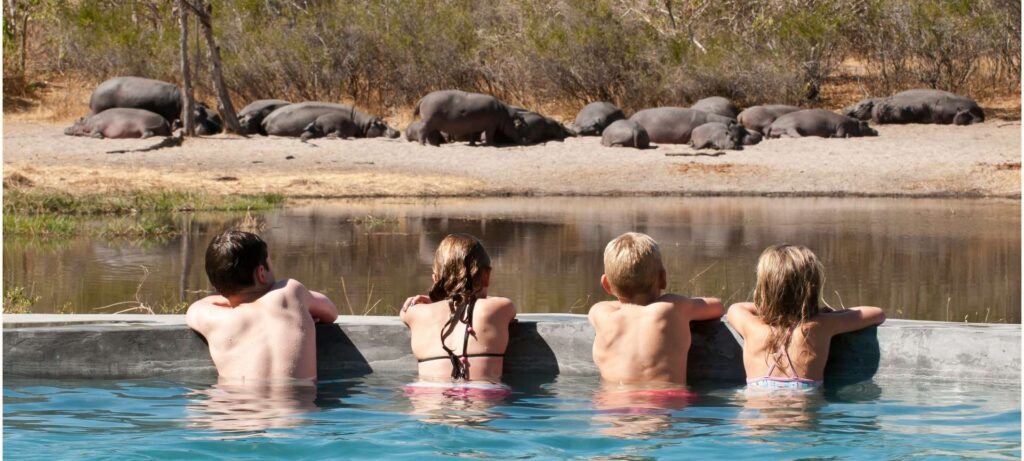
column 247, row 295
column 641, row 299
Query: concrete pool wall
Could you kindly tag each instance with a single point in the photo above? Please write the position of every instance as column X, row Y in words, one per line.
column 140, row 346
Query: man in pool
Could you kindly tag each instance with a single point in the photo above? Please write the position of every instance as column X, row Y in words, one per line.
column 258, row 329
column 643, row 337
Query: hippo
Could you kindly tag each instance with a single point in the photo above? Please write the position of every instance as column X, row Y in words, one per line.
column 337, row 124
column 673, row 125
column 594, row 117
column 251, row 116
column 717, row 105
column 757, row 119
column 295, row 120
column 459, row 113
column 138, row 93
column 537, row 128
column 818, row 122
column 207, row 122
column 120, row 122
column 919, row 106
column 718, row 135
column 625, row 133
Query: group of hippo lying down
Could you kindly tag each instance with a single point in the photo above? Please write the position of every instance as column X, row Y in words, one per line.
column 132, row 107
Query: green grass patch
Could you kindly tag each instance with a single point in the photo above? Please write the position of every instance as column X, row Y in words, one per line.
column 138, row 228
column 61, row 203
column 40, row 226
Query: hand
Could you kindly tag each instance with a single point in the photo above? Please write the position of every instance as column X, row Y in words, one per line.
column 418, row 299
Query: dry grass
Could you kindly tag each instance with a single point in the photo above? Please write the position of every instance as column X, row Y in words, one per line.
column 61, row 101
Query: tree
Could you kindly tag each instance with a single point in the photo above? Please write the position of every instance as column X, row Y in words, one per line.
column 204, row 13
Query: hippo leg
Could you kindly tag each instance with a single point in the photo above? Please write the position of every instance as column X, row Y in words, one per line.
column 147, row 134
column 430, row 136
column 96, row 134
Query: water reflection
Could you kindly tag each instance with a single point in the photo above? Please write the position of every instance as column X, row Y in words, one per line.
column 251, row 410
column 920, row 259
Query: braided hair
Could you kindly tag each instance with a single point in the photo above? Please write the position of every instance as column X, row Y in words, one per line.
column 459, row 267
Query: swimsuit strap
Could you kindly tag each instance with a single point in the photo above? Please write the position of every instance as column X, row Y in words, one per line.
column 785, row 351
column 445, row 357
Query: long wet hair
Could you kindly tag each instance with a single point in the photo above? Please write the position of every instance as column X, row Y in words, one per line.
column 787, row 293
column 459, row 267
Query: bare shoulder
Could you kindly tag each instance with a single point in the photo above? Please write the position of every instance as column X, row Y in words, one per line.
column 604, row 308
column 497, row 305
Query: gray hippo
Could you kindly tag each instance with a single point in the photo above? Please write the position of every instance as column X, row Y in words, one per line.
column 818, row 122
column 207, row 122
column 625, row 133
column 251, row 116
column 717, row 105
column 296, row 119
column 121, row 122
column 538, row 128
column 717, row 135
column 759, row 118
column 138, row 93
column 459, row 113
column 673, row 125
column 594, row 117
column 337, row 124
column 919, row 106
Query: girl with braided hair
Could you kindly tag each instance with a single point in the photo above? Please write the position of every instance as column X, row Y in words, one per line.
column 459, row 333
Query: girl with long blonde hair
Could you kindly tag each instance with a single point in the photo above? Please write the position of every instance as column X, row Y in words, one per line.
column 786, row 330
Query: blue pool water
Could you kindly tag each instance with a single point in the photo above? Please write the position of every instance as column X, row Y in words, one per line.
column 564, row 417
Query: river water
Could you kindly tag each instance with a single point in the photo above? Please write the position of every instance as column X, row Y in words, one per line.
column 928, row 259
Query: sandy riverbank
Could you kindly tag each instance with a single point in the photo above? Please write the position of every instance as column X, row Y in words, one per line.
column 910, row 160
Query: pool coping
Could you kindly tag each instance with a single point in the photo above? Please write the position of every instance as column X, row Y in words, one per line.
column 107, row 346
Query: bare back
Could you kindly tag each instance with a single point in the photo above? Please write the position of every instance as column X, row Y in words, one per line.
column 808, row 346
column 644, row 344
column 491, row 319
column 271, row 338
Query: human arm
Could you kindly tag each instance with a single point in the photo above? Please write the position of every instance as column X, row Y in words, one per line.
column 852, row 319
column 706, row 308
column 321, row 307
column 740, row 316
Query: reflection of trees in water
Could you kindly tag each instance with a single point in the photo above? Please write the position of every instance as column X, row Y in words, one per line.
column 911, row 257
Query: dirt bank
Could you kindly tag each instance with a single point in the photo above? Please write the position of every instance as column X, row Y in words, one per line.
column 911, row 160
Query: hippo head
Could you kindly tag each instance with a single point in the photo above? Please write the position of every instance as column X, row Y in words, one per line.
column 377, row 128
column 734, row 138
column 77, row 128
column 860, row 111
column 965, row 117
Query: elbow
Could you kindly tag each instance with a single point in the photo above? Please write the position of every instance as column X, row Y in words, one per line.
column 881, row 317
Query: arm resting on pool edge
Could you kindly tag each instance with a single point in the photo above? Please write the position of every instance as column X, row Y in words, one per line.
column 852, row 319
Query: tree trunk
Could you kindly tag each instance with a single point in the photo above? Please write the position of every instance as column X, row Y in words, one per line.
column 24, row 40
column 227, row 110
column 188, row 100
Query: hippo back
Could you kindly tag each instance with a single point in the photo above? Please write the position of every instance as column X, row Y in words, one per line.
column 673, row 125
column 717, row 105
column 138, row 93
column 251, row 116
column 292, row 120
column 759, row 118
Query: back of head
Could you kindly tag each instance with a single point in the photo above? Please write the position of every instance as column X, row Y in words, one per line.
column 788, row 289
column 232, row 259
column 632, row 263
column 459, row 266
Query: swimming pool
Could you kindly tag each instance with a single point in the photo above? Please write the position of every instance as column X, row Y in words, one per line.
column 561, row 417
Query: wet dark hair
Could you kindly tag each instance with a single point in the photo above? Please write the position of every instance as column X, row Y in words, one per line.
column 459, row 265
column 232, row 259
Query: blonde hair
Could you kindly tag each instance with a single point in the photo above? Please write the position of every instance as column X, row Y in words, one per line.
column 632, row 262
column 788, row 291
column 459, row 267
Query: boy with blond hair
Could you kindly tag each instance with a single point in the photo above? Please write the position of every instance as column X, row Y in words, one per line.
column 643, row 337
